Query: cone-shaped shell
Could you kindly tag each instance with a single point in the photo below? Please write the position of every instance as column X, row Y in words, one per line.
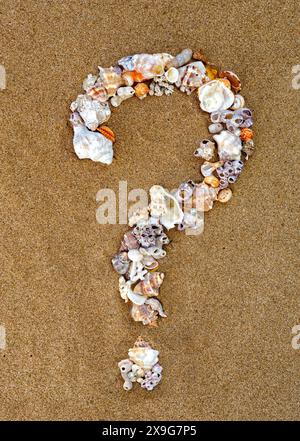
column 146, row 358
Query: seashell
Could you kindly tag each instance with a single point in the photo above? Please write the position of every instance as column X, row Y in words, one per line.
column 229, row 145
column 92, row 112
column 146, row 357
column 156, row 252
column 207, row 168
column 233, row 78
column 182, row 58
column 149, row 65
column 206, row 149
column 89, row 82
column 215, row 96
column 184, row 192
column 120, row 262
column 129, row 241
column 136, row 298
column 248, row 148
column 98, row 93
column 150, row 263
column 211, row 72
column 90, row 145
column 156, row 306
column 165, row 206
column 136, row 271
column 107, row 132
column 239, row 101
column 224, row 195
column 215, row 128
column 123, row 93
column 172, row 75
column 131, row 77
column 125, row 367
column 246, row 134
column 151, row 284
column 141, row 214
column 145, row 314
column 204, row 197
column 111, row 79
column 124, row 287
column 141, row 90
column 135, row 255
column 212, row 181
column 198, row 55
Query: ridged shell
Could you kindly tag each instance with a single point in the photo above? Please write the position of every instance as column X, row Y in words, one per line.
column 149, row 65
column 146, row 358
column 165, row 206
column 90, row 145
column 91, row 111
column 111, row 79
column 229, row 146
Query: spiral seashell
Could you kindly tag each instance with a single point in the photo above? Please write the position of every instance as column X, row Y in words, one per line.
column 144, row 357
column 145, row 314
column 215, row 96
column 229, row 145
column 150, row 285
column 248, row 148
column 131, row 77
column 165, row 206
column 98, row 93
column 89, row 82
column 129, row 241
column 149, row 65
column 111, row 79
column 156, row 306
column 90, row 145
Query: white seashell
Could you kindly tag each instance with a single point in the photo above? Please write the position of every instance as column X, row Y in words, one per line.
column 215, row 96
column 172, row 75
column 123, row 93
column 165, row 206
column 149, row 65
column 90, row 145
column 91, row 111
column 89, row 82
column 140, row 215
column 215, row 128
column 156, row 306
column 229, row 146
column 135, row 255
column 137, row 299
column 238, row 102
column 137, row 272
column 146, row 358
column 124, row 287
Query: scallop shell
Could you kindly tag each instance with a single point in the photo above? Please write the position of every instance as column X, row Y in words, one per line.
column 92, row 112
column 90, row 145
column 165, row 206
column 229, row 146
column 215, row 96
column 146, row 358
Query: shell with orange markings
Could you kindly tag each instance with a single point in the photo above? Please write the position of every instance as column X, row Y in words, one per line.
column 141, row 90
column 235, row 82
column 246, row 134
column 150, row 285
column 107, row 132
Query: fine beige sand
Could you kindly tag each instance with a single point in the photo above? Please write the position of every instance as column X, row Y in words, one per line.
column 232, row 294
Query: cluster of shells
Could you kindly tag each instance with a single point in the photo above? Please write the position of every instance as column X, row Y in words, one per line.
column 141, row 366
column 224, row 155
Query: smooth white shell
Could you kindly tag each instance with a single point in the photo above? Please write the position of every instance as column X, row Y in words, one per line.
column 215, row 96
column 165, row 206
column 92, row 145
column 137, row 299
column 146, row 358
column 229, row 146
column 172, row 75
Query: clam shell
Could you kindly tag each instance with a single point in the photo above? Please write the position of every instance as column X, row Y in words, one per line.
column 214, row 96
column 172, row 75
